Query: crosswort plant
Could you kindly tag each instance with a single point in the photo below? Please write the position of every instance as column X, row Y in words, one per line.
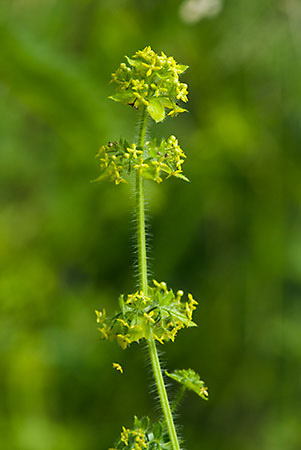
column 150, row 83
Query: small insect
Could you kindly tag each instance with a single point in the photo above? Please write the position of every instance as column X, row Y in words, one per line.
column 118, row 367
column 133, row 104
column 110, row 144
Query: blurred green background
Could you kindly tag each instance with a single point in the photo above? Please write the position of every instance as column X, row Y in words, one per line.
column 232, row 236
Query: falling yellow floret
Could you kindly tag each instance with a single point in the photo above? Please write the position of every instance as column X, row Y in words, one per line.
column 118, row 367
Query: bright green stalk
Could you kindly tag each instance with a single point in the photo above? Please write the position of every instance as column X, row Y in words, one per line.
column 163, row 394
column 142, row 265
column 140, row 215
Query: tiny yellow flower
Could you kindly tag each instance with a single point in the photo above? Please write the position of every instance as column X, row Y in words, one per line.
column 103, row 331
column 118, row 367
column 204, row 391
column 140, row 166
column 158, row 339
column 163, row 286
column 100, row 316
column 125, row 324
column 123, row 340
column 134, row 151
column 125, row 435
column 149, row 317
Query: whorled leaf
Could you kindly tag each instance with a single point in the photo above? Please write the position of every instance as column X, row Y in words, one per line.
column 159, row 313
column 190, row 380
column 143, row 436
column 156, row 109
column 159, row 161
column 152, row 80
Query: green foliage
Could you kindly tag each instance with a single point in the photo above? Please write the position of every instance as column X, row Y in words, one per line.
column 119, row 159
column 152, row 80
column 160, row 313
column 232, row 236
column 190, row 380
column 152, row 313
column 143, row 436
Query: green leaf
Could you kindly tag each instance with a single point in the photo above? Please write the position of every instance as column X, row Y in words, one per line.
column 156, row 109
column 149, row 174
column 101, row 177
column 123, row 97
column 121, row 303
column 137, row 422
column 145, row 423
column 158, row 430
column 182, row 67
column 167, row 102
column 191, row 380
column 132, row 62
column 136, row 333
column 164, row 75
column 180, row 175
column 175, row 313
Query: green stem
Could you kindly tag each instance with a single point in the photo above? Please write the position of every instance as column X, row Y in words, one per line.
column 141, row 240
column 143, row 285
column 178, row 398
column 140, row 215
column 142, row 127
column 163, row 394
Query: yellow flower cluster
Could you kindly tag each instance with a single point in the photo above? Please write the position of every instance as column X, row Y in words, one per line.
column 111, row 162
column 151, row 80
column 143, row 436
column 159, row 313
column 118, row 160
column 136, row 436
column 169, row 159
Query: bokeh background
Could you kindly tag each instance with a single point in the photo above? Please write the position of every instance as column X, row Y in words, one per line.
column 232, row 236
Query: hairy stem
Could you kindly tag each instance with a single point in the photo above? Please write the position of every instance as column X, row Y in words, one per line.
column 163, row 394
column 141, row 240
column 178, row 398
column 140, row 215
column 143, row 285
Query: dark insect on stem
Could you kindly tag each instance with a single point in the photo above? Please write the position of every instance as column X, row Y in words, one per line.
column 133, row 104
